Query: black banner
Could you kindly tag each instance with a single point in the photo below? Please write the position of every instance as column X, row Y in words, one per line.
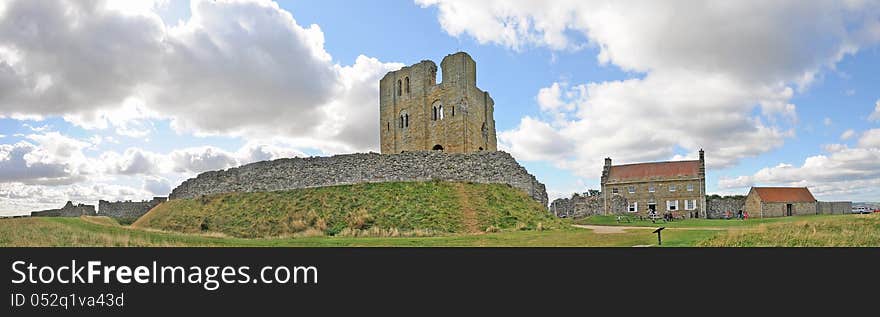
column 436, row 280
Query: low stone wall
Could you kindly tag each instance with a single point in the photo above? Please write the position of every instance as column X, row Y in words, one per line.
column 69, row 210
column 127, row 211
column 835, row 207
column 294, row 173
column 716, row 207
column 579, row 206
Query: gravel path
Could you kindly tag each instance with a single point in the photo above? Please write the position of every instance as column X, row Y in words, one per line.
column 620, row 229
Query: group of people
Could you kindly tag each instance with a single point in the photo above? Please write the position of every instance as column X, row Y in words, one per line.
column 742, row 215
column 668, row 216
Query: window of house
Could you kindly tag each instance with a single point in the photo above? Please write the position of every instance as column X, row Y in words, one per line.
column 453, row 111
column 614, row 190
column 633, row 207
column 672, row 187
column 401, row 121
column 672, row 205
column 651, row 188
column 406, row 120
column 399, row 88
column 440, row 112
column 433, row 113
column 690, row 187
column 690, row 204
column 631, row 189
column 407, row 85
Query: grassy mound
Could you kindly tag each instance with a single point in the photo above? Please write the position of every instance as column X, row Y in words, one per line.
column 380, row 209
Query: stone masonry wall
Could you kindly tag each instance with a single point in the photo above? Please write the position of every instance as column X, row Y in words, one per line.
column 835, row 207
column 716, row 206
column 69, row 210
column 294, row 173
column 579, row 206
column 127, row 211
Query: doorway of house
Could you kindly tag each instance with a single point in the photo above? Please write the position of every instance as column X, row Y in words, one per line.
column 788, row 210
column 438, row 147
column 652, row 208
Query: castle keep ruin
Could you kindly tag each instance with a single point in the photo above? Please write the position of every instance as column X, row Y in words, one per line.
column 454, row 116
column 429, row 132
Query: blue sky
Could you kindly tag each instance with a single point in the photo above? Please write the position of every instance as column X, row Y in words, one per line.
column 149, row 94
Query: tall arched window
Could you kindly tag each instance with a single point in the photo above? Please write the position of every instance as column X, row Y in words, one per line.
column 401, row 121
column 437, row 110
column 453, row 111
column 399, row 88
column 407, row 85
column 406, row 120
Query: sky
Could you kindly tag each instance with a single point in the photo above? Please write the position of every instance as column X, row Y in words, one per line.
column 123, row 100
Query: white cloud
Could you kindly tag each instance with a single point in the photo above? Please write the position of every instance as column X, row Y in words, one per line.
column 52, row 158
column 647, row 119
column 244, row 59
column 705, row 70
column 848, row 134
column 870, row 138
column 133, row 161
column 875, row 116
column 843, row 173
column 827, row 121
column 159, row 186
column 18, row 198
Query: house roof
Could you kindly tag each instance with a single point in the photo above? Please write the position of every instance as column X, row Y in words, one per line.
column 654, row 170
column 784, row 194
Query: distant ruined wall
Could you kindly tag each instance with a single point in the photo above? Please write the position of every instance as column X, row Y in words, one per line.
column 579, row 206
column 127, row 210
column 835, row 207
column 69, row 210
column 716, row 206
column 293, row 173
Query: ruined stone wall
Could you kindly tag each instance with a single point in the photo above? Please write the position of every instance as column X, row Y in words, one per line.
column 294, row 173
column 579, row 206
column 717, row 206
column 127, row 211
column 835, row 207
column 69, row 210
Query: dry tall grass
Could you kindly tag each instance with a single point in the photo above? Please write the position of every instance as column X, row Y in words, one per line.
column 842, row 231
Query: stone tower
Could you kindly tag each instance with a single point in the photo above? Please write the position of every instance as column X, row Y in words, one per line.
column 416, row 113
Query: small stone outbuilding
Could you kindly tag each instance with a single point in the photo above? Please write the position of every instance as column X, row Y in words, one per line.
column 765, row 202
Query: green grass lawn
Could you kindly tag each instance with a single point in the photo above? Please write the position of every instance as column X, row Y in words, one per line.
column 839, row 230
column 99, row 231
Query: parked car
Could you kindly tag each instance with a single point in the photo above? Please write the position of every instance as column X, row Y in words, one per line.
column 861, row 210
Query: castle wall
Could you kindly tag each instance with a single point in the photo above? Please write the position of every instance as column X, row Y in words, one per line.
column 579, row 206
column 717, row 207
column 69, row 210
column 127, row 211
column 294, row 173
column 834, row 207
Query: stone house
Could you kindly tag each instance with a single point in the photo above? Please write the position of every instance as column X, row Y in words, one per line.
column 780, row 202
column 678, row 187
column 416, row 113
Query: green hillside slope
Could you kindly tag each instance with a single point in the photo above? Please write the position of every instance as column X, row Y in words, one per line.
column 380, row 209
